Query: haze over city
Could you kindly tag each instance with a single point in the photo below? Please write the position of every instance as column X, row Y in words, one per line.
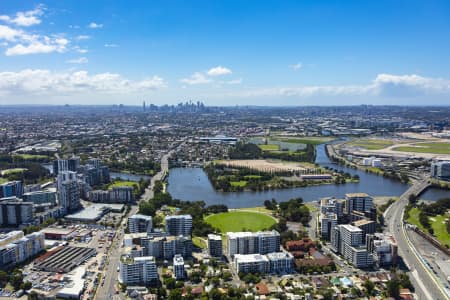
column 225, row 52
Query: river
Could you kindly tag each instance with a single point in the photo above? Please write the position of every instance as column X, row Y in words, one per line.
column 191, row 184
column 113, row 175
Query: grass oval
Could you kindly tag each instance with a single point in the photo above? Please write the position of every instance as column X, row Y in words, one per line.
column 234, row 221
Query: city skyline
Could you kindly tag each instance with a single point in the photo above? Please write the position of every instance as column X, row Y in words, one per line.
column 224, row 53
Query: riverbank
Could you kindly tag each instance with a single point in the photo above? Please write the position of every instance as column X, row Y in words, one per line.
column 192, row 184
column 335, row 157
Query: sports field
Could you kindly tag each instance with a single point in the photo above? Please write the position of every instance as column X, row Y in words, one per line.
column 370, row 144
column 436, row 148
column 240, row 220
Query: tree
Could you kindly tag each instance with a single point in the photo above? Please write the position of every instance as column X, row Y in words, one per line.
column 3, row 278
column 393, row 288
column 369, row 286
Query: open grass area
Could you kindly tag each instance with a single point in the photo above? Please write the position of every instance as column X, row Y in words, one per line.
column 435, row 148
column 31, row 156
column 240, row 220
column 3, row 180
column 122, row 183
column 260, row 209
column 312, row 207
column 252, row 176
column 370, row 144
column 269, row 147
column 199, row 242
column 414, row 218
column 241, row 183
column 312, row 140
column 437, row 223
column 12, row 171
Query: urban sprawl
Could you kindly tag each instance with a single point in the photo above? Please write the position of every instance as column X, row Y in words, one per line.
column 86, row 210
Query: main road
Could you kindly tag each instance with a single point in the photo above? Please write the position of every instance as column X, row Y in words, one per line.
column 105, row 290
column 425, row 283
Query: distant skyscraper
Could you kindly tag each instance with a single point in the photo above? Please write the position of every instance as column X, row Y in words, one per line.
column 143, row 105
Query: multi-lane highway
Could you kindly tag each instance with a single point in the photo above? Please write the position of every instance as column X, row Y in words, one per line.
column 425, row 283
column 106, row 289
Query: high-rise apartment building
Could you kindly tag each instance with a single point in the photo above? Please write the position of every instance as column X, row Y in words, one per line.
column 179, row 225
column 358, row 202
column 262, row 242
column 215, row 245
column 178, row 267
column 140, row 223
column 137, row 270
column 68, row 191
column 11, row 189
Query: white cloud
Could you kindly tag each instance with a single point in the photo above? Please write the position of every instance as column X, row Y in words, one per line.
column 296, row 67
column 25, row 18
column 83, row 37
column 111, row 45
column 20, row 42
column 10, row 34
column 37, row 45
column 81, row 60
column 384, row 85
column 218, row 71
column 37, row 82
column 196, row 78
column 94, row 25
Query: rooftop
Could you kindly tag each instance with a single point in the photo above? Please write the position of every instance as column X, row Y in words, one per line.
column 356, row 195
column 179, row 217
column 362, row 222
column 215, row 237
column 351, row 228
column 139, row 216
column 249, row 258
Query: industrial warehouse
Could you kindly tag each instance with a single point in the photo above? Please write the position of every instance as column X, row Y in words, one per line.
column 65, row 259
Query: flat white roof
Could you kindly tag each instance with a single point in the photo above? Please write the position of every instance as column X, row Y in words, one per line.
column 351, row 228
column 279, row 255
column 249, row 258
column 215, row 237
column 76, row 286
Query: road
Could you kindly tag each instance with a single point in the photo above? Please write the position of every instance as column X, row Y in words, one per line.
column 423, row 280
column 148, row 194
column 105, row 291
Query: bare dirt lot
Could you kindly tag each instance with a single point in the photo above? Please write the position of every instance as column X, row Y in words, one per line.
column 264, row 165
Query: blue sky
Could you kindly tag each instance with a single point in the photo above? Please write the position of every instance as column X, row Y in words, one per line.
column 225, row 52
